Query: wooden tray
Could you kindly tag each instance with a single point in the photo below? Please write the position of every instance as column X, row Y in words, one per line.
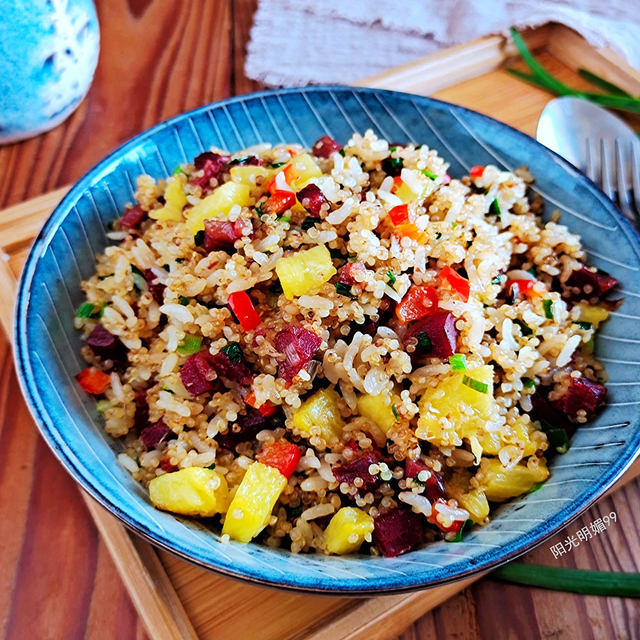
column 177, row 600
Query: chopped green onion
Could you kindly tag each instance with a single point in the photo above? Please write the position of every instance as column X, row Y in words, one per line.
column 90, row 310
column 341, row 152
column 429, row 174
column 396, row 415
column 438, row 235
column 476, row 385
column 458, row 362
column 392, row 165
column 524, row 329
column 454, row 224
column 211, row 466
column 179, row 260
column 594, row 583
column 258, row 208
column 424, row 342
column 547, row 305
column 392, row 278
column 190, row 345
column 184, row 301
column 103, row 405
column 494, row 208
column 198, row 239
column 536, row 487
column 276, row 165
column 585, row 326
column 601, row 83
column 169, row 389
column 392, row 149
column 177, row 170
column 135, row 269
column 233, row 352
column 283, row 219
column 558, row 439
column 528, row 383
column 533, row 271
column 589, row 346
column 467, row 524
column 344, row 290
column 308, row 222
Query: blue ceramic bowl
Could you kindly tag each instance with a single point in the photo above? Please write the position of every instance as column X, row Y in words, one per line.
column 47, row 344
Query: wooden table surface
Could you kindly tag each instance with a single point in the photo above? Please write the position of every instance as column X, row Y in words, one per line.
column 57, row 581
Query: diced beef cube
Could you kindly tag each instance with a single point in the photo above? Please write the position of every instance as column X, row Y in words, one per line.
column 155, row 434
column 347, row 273
column 156, row 288
column 105, row 345
column 313, row 200
column 325, row 146
column 212, row 165
column 141, row 415
column 197, row 373
column 133, row 217
column 235, row 370
column 436, row 334
column 543, row 411
column 398, row 531
column 298, row 345
column 246, row 428
column 219, row 235
column 582, row 394
column 359, row 468
column 590, row 283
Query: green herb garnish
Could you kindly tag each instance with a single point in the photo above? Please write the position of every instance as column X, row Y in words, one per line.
column 391, row 278
column 392, row 166
column 589, row 346
column 309, row 222
column 424, row 342
column 396, row 415
column 283, row 219
column 498, row 279
column 198, row 239
column 528, row 383
column 177, row 170
column 547, row 305
column 585, row 326
column 438, row 235
column 90, row 310
column 392, row 149
column 467, row 524
column 276, row 165
column 494, row 208
column 344, row 290
column 536, row 487
column 533, row 271
column 524, row 329
column 233, row 352
column 190, row 345
column 458, row 362
column 211, row 466
column 558, row 439
column 341, row 152
column 429, row 174
column 184, row 301
column 454, row 224
column 103, row 405
column 476, row 385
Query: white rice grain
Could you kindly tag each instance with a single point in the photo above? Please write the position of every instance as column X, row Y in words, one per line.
column 177, row 312
column 318, row 511
column 128, row 462
column 567, row 351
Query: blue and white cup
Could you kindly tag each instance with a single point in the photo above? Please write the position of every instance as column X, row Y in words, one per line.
column 48, row 54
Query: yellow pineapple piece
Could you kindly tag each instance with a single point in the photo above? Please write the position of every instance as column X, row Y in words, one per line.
column 466, row 407
column 593, row 314
column 251, row 507
column 379, row 409
column 406, row 193
column 305, row 271
column 248, row 174
column 217, row 205
column 347, row 529
column 300, row 170
column 175, row 199
column 501, row 484
column 193, row 491
column 320, row 410
column 475, row 502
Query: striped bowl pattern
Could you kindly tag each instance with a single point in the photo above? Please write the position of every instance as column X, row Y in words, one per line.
column 47, row 344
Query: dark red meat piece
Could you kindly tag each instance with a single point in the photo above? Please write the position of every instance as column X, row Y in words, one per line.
column 247, row 160
column 237, row 371
column 105, row 345
column 312, row 199
column 154, row 434
column 325, row 146
column 543, row 410
column 347, row 272
column 397, row 531
column 156, row 288
column 133, row 217
column 596, row 282
column 246, row 428
column 141, row 415
column 298, row 345
column 212, row 165
column 219, row 235
column 441, row 330
column 358, row 468
column 197, row 373
column 582, row 394
column 413, row 467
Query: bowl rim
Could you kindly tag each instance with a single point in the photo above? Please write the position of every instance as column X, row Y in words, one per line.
column 26, row 378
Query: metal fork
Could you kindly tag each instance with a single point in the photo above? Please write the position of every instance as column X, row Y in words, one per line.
column 614, row 165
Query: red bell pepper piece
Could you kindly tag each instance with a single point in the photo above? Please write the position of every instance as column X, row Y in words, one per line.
column 418, row 302
column 266, row 409
column 454, row 527
column 282, row 455
column 280, row 201
column 243, row 308
column 476, row 171
column 93, row 380
column 523, row 287
column 400, row 214
column 459, row 284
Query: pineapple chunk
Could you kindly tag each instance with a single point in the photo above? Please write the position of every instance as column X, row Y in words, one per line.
column 251, row 507
column 248, row 173
column 593, row 314
column 465, row 407
column 475, row 502
column 300, row 170
column 217, row 205
column 347, row 529
column 305, row 271
column 320, row 410
column 419, row 181
column 193, row 491
column 175, row 199
column 501, row 484
column 379, row 409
